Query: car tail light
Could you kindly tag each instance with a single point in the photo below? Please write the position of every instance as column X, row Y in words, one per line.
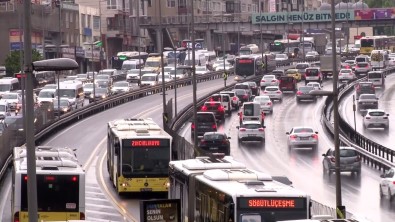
column 221, row 108
column 340, row 73
column 385, row 117
column 16, row 217
column 358, row 159
column 263, row 80
column 242, row 129
column 269, row 103
column 261, row 129
column 367, row 117
column 299, row 93
column 278, row 92
column 245, row 97
column 204, row 108
column 234, row 98
column 274, row 80
column 315, row 136
column 293, row 137
column 332, row 159
column 214, row 126
column 224, row 141
column 193, row 126
column 202, row 141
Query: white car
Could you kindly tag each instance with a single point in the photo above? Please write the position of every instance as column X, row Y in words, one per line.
column 346, row 75
column 13, row 99
column 274, row 93
column 268, row 80
column 281, row 57
column 168, row 77
column 46, row 95
column 312, row 55
column 251, row 131
column 302, row 137
column 120, row 87
column 201, row 70
column 391, row 61
column 168, row 69
column 387, row 184
column 315, row 85
column 376, row 118
column 265, row 102
column 227, row 67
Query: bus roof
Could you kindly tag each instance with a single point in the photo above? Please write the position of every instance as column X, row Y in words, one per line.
column 247, row 183
column 60, row 159
column 137, row 128
column 201, row 164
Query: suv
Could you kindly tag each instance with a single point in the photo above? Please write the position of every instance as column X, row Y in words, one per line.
column 225, row 101
column 364, row 88
column 362, row 68
column 215, row 142
column 287, row 83
column 235, row 101
column 254, row 88
column 313, row 75
column 367, row 101
column 206, row 122
column 216, row 108
column 350, row 161
column 246, row 87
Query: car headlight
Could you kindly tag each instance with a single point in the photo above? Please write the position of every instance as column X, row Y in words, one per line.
column 103, row 96
column 91, row 95
column 64, row 109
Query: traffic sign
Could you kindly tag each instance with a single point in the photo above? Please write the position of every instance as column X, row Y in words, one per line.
column 20, row 75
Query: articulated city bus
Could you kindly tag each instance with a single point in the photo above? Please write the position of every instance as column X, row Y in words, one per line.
column 60, row 185
column 370, row 43
column 138, row 155
column 224, row 191
column 117, row 61
column 251, row 65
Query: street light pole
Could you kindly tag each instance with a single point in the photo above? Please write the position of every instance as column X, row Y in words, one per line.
column 195, row 138
column 340, row 210
column 30, row 146
column 165, row 117
column 175, row 81
column 223, row 43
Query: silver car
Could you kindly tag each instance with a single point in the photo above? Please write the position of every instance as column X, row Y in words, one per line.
column 265, row 102
column 302, row 137
column 274, row 93
column 350, row 161
column 376, row 118
column 251, row 131
column 268, row 80
column 367, row 101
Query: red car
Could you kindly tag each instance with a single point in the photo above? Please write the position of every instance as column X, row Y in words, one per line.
column 287, row 83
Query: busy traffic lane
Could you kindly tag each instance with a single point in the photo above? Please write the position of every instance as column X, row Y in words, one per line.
column 386, row 98
column 304, row 166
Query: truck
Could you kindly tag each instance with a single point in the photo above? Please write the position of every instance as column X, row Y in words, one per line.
column 320, row 42
column 326, row 65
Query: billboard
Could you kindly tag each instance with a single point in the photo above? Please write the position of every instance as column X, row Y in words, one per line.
column 298, row 17
column 160, row 210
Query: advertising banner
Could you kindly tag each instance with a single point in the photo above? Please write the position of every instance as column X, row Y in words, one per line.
column 373, row 14
column 160, row 210
column 298, row 17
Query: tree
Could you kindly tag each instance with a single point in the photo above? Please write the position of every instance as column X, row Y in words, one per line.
column 12, row 62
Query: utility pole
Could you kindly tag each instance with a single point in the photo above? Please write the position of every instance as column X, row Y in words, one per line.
column 165, row 115
column 30, row 146
column 60, row 29
column 194, row 89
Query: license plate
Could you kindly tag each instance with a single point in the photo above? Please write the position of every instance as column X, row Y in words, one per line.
column 145, row 189
column 304, row 138
column 251, row 135
column 213, row 148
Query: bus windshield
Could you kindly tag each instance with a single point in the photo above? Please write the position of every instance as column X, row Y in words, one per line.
column 68, row 93
column 145, row 161
column 55, row 193
column 245, row 66
column 152, row 64
column 5, row 87
column 367, row 43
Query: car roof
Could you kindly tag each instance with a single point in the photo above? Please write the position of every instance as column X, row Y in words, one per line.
column 272, row 86
column 252, row 122
column 262, row 96
column 303, row 127
column 347, row 148
column 375, row 110
column 211, row 133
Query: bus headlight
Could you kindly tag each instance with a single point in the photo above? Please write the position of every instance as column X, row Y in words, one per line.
column 167, row 184
column 236, row 78
column 124, row 184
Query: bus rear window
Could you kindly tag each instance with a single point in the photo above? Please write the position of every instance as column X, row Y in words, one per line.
column 55, row 193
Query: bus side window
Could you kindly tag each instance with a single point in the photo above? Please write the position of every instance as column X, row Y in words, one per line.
column 116, row 147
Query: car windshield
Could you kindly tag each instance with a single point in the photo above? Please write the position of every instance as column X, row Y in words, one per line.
column 301, row 66
column 2, row 108
column 133, row 71
column 291, row 71
column 312, row 71
column 362, row 65
column 365, row 85
column 82, row 76
column 271, row 89
column 121, row 84
column 376, row 113
column 200, row 68
column 102, row 83
column 240, row 92
column 152, row 64
column 102, row 77
column 348, row 153
column 168, row 69
column 101, row 90
column 63, row 102
column 345, row 71
column 5, row 87
column 251, row 126
column 205, row 118
column 310, row 53
column 361, row 59
column 262, row 99
column 50, row 86
column 277, row 72
column 106, row 73
column 306, row 88
column 280, row 56
column 45, row 94
column 241, row 86
column 214, row 136
column 269, row 77
column 313, row 84
column 375, row 75
column 367, row 96
column 303, row 130
column 10, row 96
column 148, row 78
column 88, row 86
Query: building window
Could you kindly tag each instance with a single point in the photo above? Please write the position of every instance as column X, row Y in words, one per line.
column 249, row 8
column 171, row 3
column 83, row 21
column 66, row 15
column 111, row 4
column 182, row 3
column 149, row 3
column 96, row 22
column 88, row 21
column 77, row 25
column 243, row 7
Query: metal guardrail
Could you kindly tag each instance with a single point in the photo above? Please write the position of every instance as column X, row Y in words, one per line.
column 54, row 126
column 372, row 153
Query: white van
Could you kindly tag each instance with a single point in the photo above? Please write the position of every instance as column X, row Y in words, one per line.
column 132, row 64
column 9, row 84
column 149, row 79
column 46, row 95
column 73, row 91
column 200, row 59
column 377, row 78
column 2, row 71
column 4, row 109
column 251, row 111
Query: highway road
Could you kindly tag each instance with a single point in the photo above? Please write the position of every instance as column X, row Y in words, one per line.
column 302, row 166
column 89, row 138
column 386, row 97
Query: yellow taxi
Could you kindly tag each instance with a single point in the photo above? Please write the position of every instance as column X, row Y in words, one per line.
column 294, row 73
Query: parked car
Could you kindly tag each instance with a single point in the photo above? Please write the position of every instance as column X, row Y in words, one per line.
column 251, row 131
column 302, row 136
column 376, row 118
column 350, row 160
column 367, row 101
column 215, row 142
column 387, row 184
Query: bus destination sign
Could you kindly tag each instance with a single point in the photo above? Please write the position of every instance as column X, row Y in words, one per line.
column 272, row 202
column 245, row 61
column 140, row 143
